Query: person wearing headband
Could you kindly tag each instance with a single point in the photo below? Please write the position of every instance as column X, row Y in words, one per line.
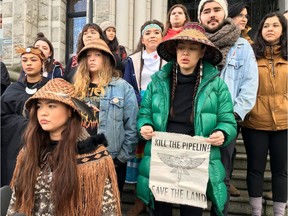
column 61, row 170
column 12, row 107
column 187, row 96
column 51, row 67
column 144, row 62
column 114, row 103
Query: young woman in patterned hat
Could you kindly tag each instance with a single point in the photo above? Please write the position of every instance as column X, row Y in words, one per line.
column 61, row 170
column 187, row 96
column 13, row 122
column 97, row 82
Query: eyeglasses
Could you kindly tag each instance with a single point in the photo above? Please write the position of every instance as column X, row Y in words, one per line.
column 244, row 16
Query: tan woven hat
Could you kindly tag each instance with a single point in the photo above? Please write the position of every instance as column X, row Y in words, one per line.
column 192, row 31
column 98, row 44
column 56, row 89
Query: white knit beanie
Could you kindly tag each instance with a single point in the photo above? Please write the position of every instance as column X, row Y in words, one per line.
column 223, row 4
column 107, row 24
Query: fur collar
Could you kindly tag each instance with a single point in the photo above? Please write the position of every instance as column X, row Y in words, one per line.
column 91, row 143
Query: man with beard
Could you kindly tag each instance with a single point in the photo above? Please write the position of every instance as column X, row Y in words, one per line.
column 238, row 69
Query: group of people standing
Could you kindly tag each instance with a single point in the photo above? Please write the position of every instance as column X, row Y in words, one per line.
column 84, row 131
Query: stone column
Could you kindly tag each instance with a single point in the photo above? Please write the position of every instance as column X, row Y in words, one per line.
column 157, row 10
column 122, row 21
column 139, row 18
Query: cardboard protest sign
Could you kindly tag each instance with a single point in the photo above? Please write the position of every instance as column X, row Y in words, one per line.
column 179, row 169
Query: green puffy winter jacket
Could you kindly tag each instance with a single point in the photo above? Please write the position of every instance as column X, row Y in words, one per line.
column 213, row 111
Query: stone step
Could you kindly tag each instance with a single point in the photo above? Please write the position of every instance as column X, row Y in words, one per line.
column 240, row 148
column 239, row 180
column 240, row 162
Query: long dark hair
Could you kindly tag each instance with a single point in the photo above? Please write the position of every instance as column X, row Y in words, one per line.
column 80, row 43
column 168, row 24
column 62, row 161
column 49, row 63
column 141, row 46
column 259, row 42
column 113, row 45
column 235, row 9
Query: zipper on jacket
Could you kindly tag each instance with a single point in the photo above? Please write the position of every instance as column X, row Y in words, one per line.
column 271, row 61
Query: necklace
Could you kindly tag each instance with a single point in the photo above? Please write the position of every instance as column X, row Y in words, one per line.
column 33, row 88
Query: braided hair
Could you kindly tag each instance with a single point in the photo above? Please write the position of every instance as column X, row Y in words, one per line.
column 175, row 69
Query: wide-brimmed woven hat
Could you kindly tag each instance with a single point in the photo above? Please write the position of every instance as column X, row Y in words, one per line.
column 33, row 50
column 56, row 89
column 192, row 31
column 98, row 44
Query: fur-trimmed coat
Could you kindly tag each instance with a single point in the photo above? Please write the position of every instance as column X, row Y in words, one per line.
column 98, row 195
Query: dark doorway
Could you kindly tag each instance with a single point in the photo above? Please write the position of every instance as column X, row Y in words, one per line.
column 257, row 9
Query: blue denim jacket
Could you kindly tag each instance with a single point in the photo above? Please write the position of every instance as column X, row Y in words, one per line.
column 241, row 76
column 118, row 119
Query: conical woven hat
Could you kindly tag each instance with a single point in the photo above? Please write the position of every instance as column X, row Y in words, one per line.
column 191, row 32
column 56, row 89
column 98, row 44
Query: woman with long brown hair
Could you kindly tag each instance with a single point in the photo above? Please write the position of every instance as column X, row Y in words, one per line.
column 61, row 170
column 97, row 82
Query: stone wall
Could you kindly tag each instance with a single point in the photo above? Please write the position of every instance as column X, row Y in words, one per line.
column 23, row 19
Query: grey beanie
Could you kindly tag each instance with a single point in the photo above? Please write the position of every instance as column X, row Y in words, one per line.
column 223, row 4
column 107, row 24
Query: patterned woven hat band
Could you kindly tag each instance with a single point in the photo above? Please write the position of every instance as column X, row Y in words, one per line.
column 56, row 89
column 191, row 32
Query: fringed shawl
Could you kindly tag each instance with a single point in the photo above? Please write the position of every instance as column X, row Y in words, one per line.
column 93, row 171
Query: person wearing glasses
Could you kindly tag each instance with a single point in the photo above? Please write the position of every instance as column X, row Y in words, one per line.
column 238, row 12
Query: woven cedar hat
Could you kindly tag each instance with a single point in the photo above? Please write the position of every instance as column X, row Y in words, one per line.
column 33, row 50
column 98, row 44
column 192, row 31
column 56, row 89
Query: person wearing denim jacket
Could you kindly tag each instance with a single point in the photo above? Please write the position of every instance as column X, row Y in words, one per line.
column 112, row 101
column 116, row 105
column 241, row 75
column 238, row 69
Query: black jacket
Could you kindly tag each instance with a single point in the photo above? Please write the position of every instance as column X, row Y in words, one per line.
column 12, row 126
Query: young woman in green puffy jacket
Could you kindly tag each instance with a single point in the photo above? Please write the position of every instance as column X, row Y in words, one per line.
column 187, row 96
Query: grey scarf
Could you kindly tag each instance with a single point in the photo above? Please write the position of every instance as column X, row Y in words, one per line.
column 225, row 38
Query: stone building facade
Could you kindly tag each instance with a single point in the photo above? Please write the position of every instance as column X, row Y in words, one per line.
column 22, row 19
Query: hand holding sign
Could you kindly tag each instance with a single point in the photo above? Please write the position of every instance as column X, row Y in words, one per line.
column 147, row 132
column 216, row 138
